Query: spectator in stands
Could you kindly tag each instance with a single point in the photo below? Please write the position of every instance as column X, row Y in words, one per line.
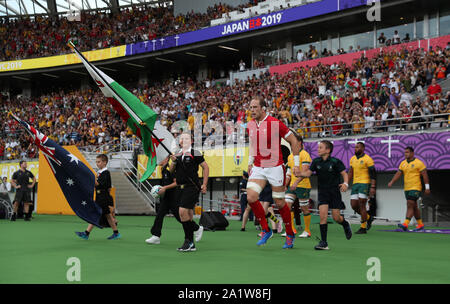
column 300, row 55
column 382, row 39
column 241, row 65
column 406, row 39
column 391, row 122
column 427, row 110
column 405, row 98
column 295, row 112
column 429, row 73
column 347, row 124
column 434, row 89
column 396, row 38
column 45, row 36
column 378, row 123
column 416, row 113
column 369, row 122
column 394, row 98
column 312, row 53
column 442, row 116
column 441, row 72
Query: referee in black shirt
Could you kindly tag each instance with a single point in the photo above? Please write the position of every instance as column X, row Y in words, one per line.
column 21, row 181
column 329, row 172
column 185, row 164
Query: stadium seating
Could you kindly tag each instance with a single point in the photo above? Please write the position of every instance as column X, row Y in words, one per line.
column 44, row 36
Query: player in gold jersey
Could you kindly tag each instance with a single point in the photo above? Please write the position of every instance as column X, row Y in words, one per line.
column 412, row 169
column 300, row 187
column 362, row 170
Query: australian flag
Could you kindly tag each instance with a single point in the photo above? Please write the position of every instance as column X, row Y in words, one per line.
column 76, row 180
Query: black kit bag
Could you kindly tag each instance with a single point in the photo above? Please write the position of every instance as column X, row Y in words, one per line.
column 213, row 220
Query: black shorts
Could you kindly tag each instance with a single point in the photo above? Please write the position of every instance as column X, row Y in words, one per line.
column 332, row 198
column 104, row 206
column 170, row 199
column 23, row 197
column 266, row 195
column 105, row 203
column 187, row 197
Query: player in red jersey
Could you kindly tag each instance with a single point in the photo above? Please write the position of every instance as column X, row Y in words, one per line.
column 266, row 165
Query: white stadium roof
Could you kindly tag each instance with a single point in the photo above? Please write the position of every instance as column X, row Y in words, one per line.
column 15, row 8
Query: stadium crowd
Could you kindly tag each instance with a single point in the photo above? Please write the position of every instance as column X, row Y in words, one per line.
column 372, row 95
column 48, row 36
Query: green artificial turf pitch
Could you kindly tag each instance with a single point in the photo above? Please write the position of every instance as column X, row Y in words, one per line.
column 37, row 252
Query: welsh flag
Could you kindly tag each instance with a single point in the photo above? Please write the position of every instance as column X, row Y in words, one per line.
column 351, row 83
column 138, row 116
column 167, row 138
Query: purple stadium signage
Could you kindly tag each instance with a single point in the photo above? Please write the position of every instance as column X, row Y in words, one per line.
column 436, row 231
column 242, row 26
column 388, row 151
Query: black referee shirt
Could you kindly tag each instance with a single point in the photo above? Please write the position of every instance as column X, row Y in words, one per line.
column 167, row 177
column 328, row 172
column 22, row 178
column 186, row 169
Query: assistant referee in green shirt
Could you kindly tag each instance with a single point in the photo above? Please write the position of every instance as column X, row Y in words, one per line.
column 330, row 171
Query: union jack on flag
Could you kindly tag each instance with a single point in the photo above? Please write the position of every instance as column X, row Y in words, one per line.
column 75, row 179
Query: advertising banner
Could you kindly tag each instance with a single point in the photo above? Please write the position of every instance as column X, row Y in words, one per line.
column 305, row 11
column 67, row 59
column 221, row 162
column 389, row 151
column 8, row 169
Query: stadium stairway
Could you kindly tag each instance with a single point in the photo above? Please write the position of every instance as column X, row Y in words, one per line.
column 444, row 83
column 128, row 199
